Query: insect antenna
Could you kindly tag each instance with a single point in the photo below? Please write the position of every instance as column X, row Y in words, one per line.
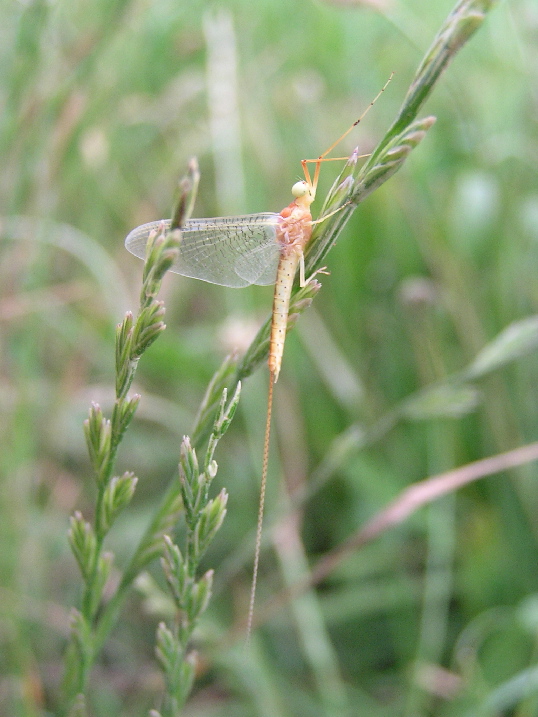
column 323, row 157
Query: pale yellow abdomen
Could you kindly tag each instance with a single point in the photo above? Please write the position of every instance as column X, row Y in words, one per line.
column 281, row 301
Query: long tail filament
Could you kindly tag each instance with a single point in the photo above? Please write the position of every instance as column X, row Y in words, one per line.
column 265, row 465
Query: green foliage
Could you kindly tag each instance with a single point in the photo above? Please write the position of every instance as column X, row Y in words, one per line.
column 203, row 516
column 416, row 357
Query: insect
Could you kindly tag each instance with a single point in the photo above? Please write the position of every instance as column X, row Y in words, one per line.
column 257, row 249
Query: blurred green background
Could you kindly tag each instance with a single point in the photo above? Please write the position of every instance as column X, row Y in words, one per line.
column 103, row 103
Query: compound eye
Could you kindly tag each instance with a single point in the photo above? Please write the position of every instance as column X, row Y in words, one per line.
column 300, row 189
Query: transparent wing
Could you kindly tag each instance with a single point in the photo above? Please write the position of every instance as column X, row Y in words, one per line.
column 230, row 251
column 259, row 265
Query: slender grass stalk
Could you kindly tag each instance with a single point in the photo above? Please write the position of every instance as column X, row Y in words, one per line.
column 203, row 517
column 114, row 493
column 353, row 185
column 91, row 624
column 355, row 182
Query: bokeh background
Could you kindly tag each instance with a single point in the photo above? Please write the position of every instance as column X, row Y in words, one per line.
column 103, row 103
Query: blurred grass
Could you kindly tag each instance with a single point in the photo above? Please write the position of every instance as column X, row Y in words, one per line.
column 102, row 105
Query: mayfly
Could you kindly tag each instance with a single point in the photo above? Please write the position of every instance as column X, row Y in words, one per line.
column 260, row 249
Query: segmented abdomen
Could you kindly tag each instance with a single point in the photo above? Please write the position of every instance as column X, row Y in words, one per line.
column 287, row 267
